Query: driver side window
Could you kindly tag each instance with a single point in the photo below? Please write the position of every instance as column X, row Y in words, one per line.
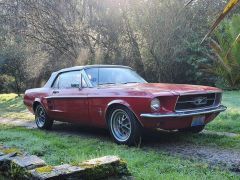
column 69, row 80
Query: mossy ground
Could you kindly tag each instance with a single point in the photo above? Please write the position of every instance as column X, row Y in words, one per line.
column 10, row 150
column 44, row 169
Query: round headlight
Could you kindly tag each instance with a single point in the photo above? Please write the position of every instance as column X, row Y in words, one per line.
column 155, row 104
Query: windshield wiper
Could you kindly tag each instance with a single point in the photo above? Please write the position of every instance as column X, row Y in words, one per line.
column 105, row 83
column 116, row 83
column 129, row 82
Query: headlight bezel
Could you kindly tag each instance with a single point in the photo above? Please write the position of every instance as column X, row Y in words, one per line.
column 155, row 104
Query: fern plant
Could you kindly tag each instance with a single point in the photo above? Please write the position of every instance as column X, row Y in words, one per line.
column 226, row 50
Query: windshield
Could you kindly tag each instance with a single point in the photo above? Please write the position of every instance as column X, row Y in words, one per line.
column 102, row 76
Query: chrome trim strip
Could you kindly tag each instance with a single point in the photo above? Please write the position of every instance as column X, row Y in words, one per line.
column 66, row 97
column 182, row 102
column 214, row 102
column 197, row 109
column 220, row 108
column 87, row 96
column 200, row 93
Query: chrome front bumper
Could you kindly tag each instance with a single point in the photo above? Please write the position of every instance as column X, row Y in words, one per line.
column 187, row 113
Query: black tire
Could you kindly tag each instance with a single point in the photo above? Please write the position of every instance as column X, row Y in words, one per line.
column 41, row 118
column 195, row 130
column 133, row 138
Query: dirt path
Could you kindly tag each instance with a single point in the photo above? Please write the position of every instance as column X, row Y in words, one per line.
column 158, row 141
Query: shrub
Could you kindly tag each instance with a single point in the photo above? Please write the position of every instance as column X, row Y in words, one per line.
column 6, row 84
column 226, row 54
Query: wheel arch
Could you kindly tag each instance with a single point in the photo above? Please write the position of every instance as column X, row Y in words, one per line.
column 36, row 103
column 117, row 103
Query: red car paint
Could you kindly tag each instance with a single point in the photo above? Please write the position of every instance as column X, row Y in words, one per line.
column 89, row 106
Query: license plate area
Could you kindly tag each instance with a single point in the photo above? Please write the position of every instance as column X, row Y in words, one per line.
column 198, row 121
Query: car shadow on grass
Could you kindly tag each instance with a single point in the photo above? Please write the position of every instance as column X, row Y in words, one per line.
column 154, row 139
column 150, row 138
column 80, row 130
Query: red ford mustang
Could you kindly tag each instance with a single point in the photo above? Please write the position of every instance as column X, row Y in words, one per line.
column 117, row 98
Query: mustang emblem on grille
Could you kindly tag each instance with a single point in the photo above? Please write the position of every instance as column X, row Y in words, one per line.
column 200, row 101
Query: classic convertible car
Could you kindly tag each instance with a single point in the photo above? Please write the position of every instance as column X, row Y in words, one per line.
column 117, row 98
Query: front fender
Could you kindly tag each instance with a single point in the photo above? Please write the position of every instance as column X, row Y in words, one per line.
column 124, row 103
column 118, row 101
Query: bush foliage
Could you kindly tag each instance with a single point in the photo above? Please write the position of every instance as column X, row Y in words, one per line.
column 157, row 38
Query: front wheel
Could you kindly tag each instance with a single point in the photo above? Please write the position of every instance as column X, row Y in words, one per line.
column 42, row 119
column 124, row 127
column 196, row 129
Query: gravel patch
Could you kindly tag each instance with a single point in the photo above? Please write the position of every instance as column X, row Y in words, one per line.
column 18, row 122
column 220, row 133
column 214, row 156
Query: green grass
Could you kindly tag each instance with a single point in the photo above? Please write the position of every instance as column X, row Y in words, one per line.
column 228, row 121
column 211, row 140
column 143, row 163
column 11, row 106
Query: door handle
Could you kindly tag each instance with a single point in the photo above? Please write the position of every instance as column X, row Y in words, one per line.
column 55, row 92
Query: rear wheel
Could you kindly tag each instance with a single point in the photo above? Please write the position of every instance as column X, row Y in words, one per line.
column 42, row 119
column 196, row 129
column 124, row 127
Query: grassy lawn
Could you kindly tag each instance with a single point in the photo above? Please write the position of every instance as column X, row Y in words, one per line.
column 11, row 106
column 228, row 121
column 143, row 164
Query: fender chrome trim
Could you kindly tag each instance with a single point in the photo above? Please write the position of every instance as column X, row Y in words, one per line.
column 217, row 109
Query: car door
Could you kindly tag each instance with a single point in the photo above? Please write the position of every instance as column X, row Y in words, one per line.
column 70, row 102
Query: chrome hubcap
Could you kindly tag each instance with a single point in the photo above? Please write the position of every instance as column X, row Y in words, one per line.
column 120, row 125
column 40, row 116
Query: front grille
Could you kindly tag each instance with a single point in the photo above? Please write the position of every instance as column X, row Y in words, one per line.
column 197, row 101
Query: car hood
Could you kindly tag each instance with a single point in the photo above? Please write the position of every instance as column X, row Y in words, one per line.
column 164, row 89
